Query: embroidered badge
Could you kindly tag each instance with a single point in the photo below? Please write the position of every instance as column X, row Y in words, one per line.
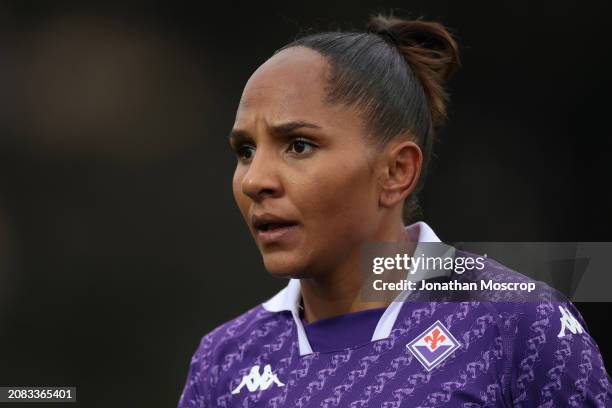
column 433, row 346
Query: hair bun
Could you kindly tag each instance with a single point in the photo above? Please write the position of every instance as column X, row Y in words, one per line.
column 429, row 49
column 384, row 32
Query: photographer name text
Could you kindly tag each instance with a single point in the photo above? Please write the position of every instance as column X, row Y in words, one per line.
column 453, row 285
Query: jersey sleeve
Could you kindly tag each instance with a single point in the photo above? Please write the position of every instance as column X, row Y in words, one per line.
column 555, row 362
column 196, row 391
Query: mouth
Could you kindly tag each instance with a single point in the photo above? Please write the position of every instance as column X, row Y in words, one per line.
column 268, row 222
column 272, row 226
column 272, row 229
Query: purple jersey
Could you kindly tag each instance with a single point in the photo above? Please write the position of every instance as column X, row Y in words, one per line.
column 418, row 353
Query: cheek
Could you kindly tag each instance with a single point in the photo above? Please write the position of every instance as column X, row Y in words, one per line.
column 239, row 197
column 341, row 199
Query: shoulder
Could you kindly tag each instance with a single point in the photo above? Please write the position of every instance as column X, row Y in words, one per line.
column 221, row 348
column 530, row 307
column 255, row 323
column 550, row 356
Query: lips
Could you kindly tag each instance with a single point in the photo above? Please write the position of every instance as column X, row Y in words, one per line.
column 268, row 222
column 275, row 230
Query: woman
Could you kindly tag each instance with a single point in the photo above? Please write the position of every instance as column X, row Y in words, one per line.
column 333, row 135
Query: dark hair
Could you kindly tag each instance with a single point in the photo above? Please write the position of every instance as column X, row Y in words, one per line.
column 394, row 73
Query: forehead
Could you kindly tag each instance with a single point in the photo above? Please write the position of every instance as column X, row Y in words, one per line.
column 290, row 83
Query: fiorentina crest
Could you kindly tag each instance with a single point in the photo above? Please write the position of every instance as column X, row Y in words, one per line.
column 433, row 345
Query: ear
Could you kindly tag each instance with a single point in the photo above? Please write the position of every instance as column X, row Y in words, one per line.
column 402, row 161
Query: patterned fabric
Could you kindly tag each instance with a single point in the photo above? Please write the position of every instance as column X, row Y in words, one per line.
column 511, row 354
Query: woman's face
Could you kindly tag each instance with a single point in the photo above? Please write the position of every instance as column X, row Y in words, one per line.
column 303, row 180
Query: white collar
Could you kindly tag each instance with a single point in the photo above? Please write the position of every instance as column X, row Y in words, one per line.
column 289, row 297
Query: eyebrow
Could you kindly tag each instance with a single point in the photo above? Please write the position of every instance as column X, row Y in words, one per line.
column 280, row 130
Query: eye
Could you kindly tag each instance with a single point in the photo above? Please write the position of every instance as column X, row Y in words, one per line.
column 245, row 152
column 301, row 146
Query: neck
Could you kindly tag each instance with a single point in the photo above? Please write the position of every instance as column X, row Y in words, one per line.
column 338, row 292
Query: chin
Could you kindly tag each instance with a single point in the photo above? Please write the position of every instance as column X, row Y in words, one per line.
column 284, row 266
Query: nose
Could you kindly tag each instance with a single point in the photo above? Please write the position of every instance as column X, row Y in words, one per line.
column 261, row 179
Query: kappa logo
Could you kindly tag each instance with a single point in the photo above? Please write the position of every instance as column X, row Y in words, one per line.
column 433, row 346
column 255, row 381
column 569, row 322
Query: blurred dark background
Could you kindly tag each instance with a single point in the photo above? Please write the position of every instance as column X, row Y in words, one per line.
column 120, row 243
